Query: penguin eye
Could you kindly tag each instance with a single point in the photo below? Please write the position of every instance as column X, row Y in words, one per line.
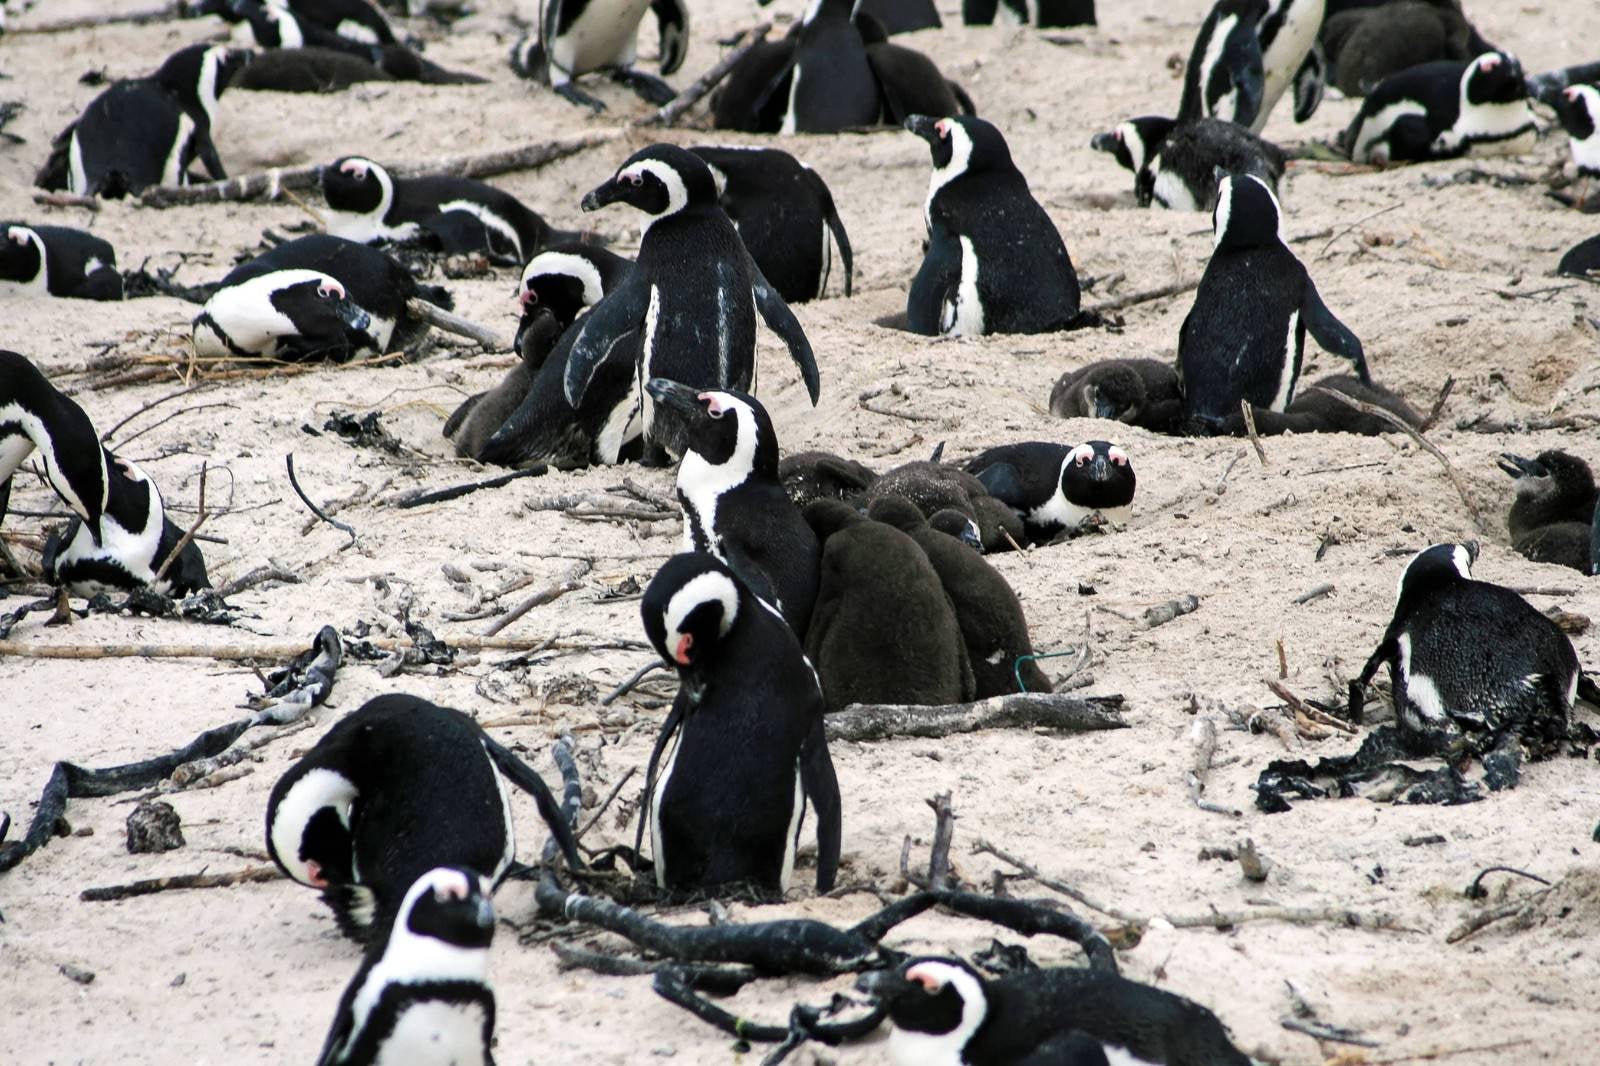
column 635, row 179
column 531, row 296
column 327, row 292
column 1081, row 459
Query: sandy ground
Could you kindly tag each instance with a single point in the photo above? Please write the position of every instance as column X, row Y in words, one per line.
column 1434, row 286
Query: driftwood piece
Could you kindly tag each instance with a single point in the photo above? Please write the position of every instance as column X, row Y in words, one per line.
column 571, row 583
column 45, row 198
column 1203, row 745
column 439, row 318
column 150, row 886
column 249, row 653
column 422, row 499
column 1162, row 613
column 1022, row 710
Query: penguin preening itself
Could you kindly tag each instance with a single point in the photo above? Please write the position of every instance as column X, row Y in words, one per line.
column 995, row 262
column 145, row 131
column 422, row 994
column 1225, row 77
column 395, row 788
column 1140, row 392
column 1175, row 164
column 944, row 1013
column 1244, row 338
column 693, row 293
column 1443, row 110
column 1314, row 411
column 1578, row 108
column 1059, row 488
column 366, row 203
column 728, row 804
column 1552, row 519
column 578, row 37
column 734, row 504
column 57, row 261
column 1473, row 662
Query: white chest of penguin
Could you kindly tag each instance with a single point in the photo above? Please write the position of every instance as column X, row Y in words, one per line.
column 434, row 1033
column 603, row 34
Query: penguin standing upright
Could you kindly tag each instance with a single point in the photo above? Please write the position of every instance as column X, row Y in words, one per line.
column 1290, row 57
column 728, row 804
column 995, row 262
column 58, row 261
column 1224, row 77
column 1244, row 338
column 734, row 503
column 1059, row 488
column 578, row 37
column 422, row 993
column 693, row 293
column 1551, row 519
column 1443, row 110
column 1578, row 107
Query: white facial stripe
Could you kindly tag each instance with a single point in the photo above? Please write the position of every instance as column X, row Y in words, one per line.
column 703, row 588
column 1128, row 134
column 317, row 789
column 1117, row 454
column 245, row 313
column 1224, row 209
column 39, row 284
column 566, row 265
column 702, row 483
column 677, row 193
column 207, row 89
column 1462, row 560
column 908, row 1048
column 960, row 156
column 489, row 219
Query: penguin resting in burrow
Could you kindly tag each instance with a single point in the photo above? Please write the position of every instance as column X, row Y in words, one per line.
column 745, row 751
column 422, row 993
column 734, row 504
column 1314, row 411
column 1175, row 164
column 1059, row 488
column 995, row 263
column 693, row 294
column 57, row 261
column 1578, row 107
column 395, row 788
column 1444, row 110
column 1140, row 392
column 1552, row 518
column 578, row 37
column 1244, row 338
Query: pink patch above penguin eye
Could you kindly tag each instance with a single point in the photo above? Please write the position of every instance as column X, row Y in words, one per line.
column 455, row 888
column 635, row 179
column 314, row 874
column 680, row 654
column 354, row 169
column 930, row 984
column 942, row 128
column 328, row 292
column 1118, row 456
column 19, row 236
column 714, row 405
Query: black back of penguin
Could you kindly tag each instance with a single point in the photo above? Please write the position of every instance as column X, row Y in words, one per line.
column 35, row 414
column 831, row 84
column 58, row 260
column 1224, row 77
column 373, row 279
column 1058, row 488
column 1476, row 107
column 995, row 262
column 721, row 809
column 1182, row 171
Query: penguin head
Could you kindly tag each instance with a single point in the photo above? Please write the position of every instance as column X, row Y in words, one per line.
column 1494, row 78
column 827, row 517
column 1135, row 141
column 1097, row 473
column 22, row 260
column 660, row 180
column 1113, row 391
column 198, row 74
column 308, row 825
column 1578, row 107
column 952, row 522
column 689, row 607
column 319, row 307
column 559, row 283
column 1247, row 214
column 357, row 186
column 961, row 144
column 936, row 1006
column 725, row 437
column 1435, row 568
column 448, row 907
column 1551, row 473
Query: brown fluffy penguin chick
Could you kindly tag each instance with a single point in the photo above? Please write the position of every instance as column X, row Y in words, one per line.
column 1317, row 412
column 1553, row 518
column 808, row 476
column 883, row 629
column 471, row 425
column 1140, row 392
column 933, row 487
column 987, row 610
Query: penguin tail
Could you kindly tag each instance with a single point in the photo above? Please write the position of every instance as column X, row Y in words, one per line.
column 967, row 106
column 437, row 295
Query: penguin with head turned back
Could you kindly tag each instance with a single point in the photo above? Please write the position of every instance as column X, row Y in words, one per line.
column 995, row 262
column 1244, row 338
column 1059, row 488
column 1443, row 110
column 58, row 261
column 749, row 752
column 578, row 37
column 1551, row 519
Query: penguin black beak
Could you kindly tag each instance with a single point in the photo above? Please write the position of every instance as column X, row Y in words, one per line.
column 884, row 985
column 1100, row 469
column 1218, row 173
column 971, row 538
column 924, row 127
column 352, row 315
column 609, row 193
column 675, row 397
column 1104, row 142
column 1516, row 466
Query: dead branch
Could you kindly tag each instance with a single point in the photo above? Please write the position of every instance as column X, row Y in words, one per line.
column 633, row 679
column 610, row 798
column 259, row 576
column 248, row 875
column 108, row 434
column 1485, row 918
column 244, row 748
column 245, row 653
column 64, row 199
column 439, row 318
column 675, row 108
column 1203, row 748
column 298, row 491
column 571, row 583
column 1438, row 404
column 1022, row 710
column 1301, row 707
column 1316, row 592
column 1250, row 429
column 183, row 542
column 1364, row 218
column 422, row 499
column 944, row 827
column 1177, row 288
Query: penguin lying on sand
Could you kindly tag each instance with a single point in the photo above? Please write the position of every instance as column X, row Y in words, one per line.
column 727, row 805
column 578, row 37
column 57, row 261
column 395, row 788
column 1244, row 338
column 1444, row 110
column 1140, row 392
column 1317, row 412
column 1582, row 259
column 995, row 262
column 326, row 70
column 422, row 994
column 354, row 21
column 937, row 487
column 1366, row 44
column 1175, row 164
column 1552, row 517
column 943, row 1011
column 145, row 131
column 1579, row 110
column 1059, row 488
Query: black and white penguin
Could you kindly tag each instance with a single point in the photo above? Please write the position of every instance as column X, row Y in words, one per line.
column 1443, row 110
column 422, row 994
column 1582, row 259
column 1140, row 392
column 146, row 131
column 578, row 37
column 1244, row 338
column 734, row 503
column 1472, row 661
column 727, row 805
column 808, row 476
column 785, row 215
column 944, row 1013
column 901, row 16
column 1174, row 165
column 1045, row 14
column 995, row 263
column 272, row 25
column 1366, row 43
column 1579, row 111
column 368, row 204
column 57, row 261
column 1133, row 142
column 35, row 414
column 1317, row 412
column 354, row 20
column 1552, row 517
column 1225, row 77
column 394, row 789
column 883, row 629
column 1059, row 488
column 1291, row 58
column 694, row 291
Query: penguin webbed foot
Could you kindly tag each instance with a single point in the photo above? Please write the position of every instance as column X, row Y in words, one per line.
column 647, row 86
column 574, row 95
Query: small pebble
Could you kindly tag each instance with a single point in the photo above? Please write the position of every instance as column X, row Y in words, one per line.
column 154, row 826
column 77, row 973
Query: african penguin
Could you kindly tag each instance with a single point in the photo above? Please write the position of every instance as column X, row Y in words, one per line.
column 325, row 70
column 693, row 293
column 1224, row 77
column 1174, row 165
column 1551, row 519
column 944, row 1013
column 1582, row 259
column 1133, row 142
column 784, row 213
column 34, row 414
column 745, row 752
column 1472, row 661
column 272, row 25
column 1290, row 57
column 987, row 611
column 578, row 37
column 422, row 995
column 1059, row 488
column 1316, row 412
column 57, row 261
column 1579, row 111
column 1443, row 110
column 995, row 262
column 1244, row 338
column 1045, row 14
column 1140, row 392
column 883, row 629
column 395, row 788
column 734, row 504
column 808, row 476
column 366, row 203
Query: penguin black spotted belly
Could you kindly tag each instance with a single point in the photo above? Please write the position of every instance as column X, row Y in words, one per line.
column 578, row 37
column 1552, row 518
column 57, row 261
column 995, row 262
column 1059, row 488
column 744, row 748
column 1244, row 338
column 395, row 788
column 1443, row 110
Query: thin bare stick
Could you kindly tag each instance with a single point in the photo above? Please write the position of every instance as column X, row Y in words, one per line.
column 623, row 780
column 1250, row 428
column 1485, row 918
column 1203, row 748
column 1175, row 289
column 108, row 434
column 944, row 827
column 1280, row 690
column 1021, row 710
column 260, row 575
column 200, row 517
column 248, row 875
column 1316, row 592
column 1438, row 404
column 633, row 679
column 439, row 318
column 65, row 199
column 696, row 89
column 571, row 583
column 298, row 491
column 1364, row 218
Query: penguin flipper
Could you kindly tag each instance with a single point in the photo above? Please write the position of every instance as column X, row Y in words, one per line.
column 830, row 214
column 1309, row 83
column 1004, row 482
column 526, row 778
column 619, row 312
column 339, row 1033
column 822, row 789
column 669, row 726
column 672, row 20
column 776, row 314
column 1334, row 336
column 1249, row 82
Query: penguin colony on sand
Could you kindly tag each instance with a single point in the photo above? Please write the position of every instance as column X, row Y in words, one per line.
column 805, row 581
